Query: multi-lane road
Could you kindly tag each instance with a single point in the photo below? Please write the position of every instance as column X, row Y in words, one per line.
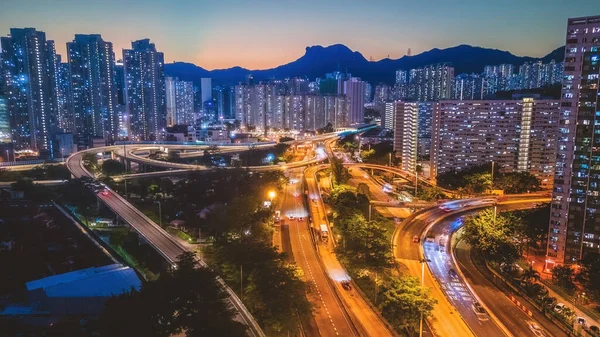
column 362, row 316
column 329, row 314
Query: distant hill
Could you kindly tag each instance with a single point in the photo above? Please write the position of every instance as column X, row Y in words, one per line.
column 318, row 60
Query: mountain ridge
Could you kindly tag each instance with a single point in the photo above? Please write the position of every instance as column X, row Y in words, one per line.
column 319, row 60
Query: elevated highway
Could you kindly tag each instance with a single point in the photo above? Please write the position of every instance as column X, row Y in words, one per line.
column 154, row 235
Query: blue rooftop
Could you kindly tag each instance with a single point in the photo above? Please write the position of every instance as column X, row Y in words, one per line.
column 102, row 281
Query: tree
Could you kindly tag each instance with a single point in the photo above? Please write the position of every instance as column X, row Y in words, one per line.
column 90, row 160
column 530, row 275
column 517, row 182
column 187, row 299
column 405, row 302
column 535, row 224
column 173, row 156
column 492, row 235
column 340, row 173
column 563, row 275
column 589, row 274
column 111, row 167
column 363, row 189
column 273, row 291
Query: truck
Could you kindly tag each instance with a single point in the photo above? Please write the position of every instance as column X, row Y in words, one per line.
column 324, row 232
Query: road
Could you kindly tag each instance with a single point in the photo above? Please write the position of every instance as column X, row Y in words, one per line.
column 367, row 322
column 330, row 316
column 157, row 237
column 445, row 320
column 494, row 294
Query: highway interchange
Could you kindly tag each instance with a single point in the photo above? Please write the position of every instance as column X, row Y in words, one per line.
column 339, row 312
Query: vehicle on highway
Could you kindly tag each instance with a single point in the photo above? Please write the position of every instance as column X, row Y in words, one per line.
column 105, row 192
column 291, row 217
column 430, row 238
column 416, row 239
column 559, row 307
column 323, row 232
column 537, row 331
column 300, row 218
column 481, row 313
column 581, row 321
column 452, row 274
column 346, row 285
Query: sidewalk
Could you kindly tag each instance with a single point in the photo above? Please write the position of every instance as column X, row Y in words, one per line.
column 546, row 281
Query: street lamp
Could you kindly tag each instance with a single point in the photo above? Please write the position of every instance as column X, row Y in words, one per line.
column 271, row 195
column 159, row 213
column 422, row 262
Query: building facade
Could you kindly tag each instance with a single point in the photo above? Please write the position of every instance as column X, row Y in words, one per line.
column 574, row 226
column 28, row 84
column 263, row 106
column 405, row 134
column 354, row 89
column 179, row 102
column 93, row 90
column 145, row 96
column 517, row 135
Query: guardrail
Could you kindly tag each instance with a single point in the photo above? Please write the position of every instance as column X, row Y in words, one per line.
column 31, row 162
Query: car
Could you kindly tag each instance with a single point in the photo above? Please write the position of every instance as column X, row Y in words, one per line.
column 105, row 192
column 430, row 238
column 291, row 217
column 346, row 285
column 480, row 311
column 300, row 218
column 537, row 331
column 581, row 321
column 559, row 307
column 416, row 239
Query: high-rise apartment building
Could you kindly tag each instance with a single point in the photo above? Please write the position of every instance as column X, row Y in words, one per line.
column 179, row 102
column 383, row 93
column 574, row 226
column 405, row 134
column 28, row 84
column 517, row 135
column 265, row 107
column 354, row 89
column 205, row 90
column 424, row 129
column 93, row 89
column 468, row 87
column 388, row 117
column 368, row 92
column 65, row 120
column 145, row 90
column 5, row 134
column 431, row 83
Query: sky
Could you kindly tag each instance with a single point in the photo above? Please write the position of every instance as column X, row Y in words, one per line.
column 261, row 34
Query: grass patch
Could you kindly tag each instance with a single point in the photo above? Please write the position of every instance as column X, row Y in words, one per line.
column 182, row 235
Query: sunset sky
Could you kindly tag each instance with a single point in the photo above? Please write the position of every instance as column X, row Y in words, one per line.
column 259, row 34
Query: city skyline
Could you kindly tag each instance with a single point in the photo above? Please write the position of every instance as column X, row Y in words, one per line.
column 189, row 32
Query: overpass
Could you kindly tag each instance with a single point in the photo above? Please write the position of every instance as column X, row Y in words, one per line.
column 169, row 248
column 400, row 204
column 154, row 235
column 399, row 172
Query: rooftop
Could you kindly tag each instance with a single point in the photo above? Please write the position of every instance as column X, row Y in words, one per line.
column 103, row 281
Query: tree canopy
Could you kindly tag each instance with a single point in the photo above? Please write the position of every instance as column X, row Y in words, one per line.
column 187, row 299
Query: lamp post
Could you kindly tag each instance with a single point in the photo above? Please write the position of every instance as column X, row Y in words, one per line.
column 271, row 196
column 492, row 187
column 422, row 261
column 159, row 213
